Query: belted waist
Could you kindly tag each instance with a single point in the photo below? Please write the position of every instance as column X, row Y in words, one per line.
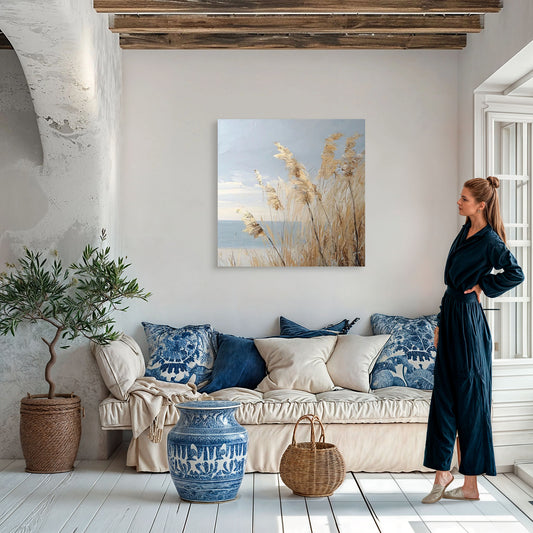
column 460, row 295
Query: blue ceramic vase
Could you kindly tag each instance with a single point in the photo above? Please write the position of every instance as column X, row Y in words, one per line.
column 207, row 451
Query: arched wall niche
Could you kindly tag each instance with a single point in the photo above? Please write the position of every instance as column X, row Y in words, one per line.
column 22, row 200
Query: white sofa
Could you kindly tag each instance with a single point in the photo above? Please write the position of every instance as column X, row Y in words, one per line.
column 381, row 431
column 378, row 431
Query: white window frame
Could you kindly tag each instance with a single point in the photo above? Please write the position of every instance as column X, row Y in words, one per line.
column 491, row 108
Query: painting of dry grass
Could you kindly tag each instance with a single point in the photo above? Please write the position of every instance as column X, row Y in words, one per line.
column 309, row 218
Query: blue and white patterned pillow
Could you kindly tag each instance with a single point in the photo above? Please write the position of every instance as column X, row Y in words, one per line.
column 408, row 358
column 180, row 355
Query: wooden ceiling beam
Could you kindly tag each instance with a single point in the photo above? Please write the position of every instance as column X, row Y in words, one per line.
column 189, row 41
column 297, row 23
column 4, row 42
column 297, row 6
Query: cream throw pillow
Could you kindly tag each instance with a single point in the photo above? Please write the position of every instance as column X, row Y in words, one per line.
column 120, row 362
column 353, row 359
column 296, row 363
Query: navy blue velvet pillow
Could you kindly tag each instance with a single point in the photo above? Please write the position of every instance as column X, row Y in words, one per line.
column 237, row 364
column 288, row 328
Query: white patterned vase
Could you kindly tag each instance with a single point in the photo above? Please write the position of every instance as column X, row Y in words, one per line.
column 207, row 451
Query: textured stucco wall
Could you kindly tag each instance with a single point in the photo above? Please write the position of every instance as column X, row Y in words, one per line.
column 58, row 198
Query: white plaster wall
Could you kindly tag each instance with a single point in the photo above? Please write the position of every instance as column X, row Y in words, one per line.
column 60, row 198
column 171, row 102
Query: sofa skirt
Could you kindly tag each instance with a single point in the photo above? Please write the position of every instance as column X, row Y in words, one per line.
column 393, row 447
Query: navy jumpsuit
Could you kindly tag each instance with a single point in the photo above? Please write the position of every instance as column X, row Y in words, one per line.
column 462, row 391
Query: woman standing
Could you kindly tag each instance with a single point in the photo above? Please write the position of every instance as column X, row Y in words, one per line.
column 461, row 399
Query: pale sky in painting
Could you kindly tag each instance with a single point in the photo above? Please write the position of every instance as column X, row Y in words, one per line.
column 245, row 145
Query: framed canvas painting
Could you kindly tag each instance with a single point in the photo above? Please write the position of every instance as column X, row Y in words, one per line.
column 291, row 193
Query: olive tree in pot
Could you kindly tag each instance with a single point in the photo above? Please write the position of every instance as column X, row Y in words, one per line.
column 75, row 301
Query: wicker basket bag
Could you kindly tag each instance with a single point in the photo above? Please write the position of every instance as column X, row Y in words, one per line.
column 312, row 469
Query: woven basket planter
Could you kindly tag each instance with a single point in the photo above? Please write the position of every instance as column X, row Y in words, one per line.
column 50, row 431
column 312, row 469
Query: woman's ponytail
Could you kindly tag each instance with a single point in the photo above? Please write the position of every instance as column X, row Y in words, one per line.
column 486, row 190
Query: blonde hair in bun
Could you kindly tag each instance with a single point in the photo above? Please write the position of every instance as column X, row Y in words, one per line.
column 485, row 190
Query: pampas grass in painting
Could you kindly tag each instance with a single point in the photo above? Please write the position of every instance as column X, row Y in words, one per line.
column 308, row 218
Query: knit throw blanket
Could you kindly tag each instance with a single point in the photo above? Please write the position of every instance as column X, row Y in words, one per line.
column 150, row 403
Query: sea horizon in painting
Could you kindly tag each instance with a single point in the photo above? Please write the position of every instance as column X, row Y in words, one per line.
column 291, row 192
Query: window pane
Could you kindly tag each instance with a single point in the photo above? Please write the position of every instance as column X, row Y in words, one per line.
column 510, row 320
column 506, row 319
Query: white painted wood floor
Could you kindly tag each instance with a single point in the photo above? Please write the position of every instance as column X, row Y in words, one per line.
column 106, row 496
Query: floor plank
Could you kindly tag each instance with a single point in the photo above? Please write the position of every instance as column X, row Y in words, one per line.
column 30, row 509
column 495, row 527
column 520, row 493
column 353, row 516
column 445, row 527
column 293, row 511
column 90, row 504
column 119, row 508
column 348, row 491
column 202, row 517
column 12, row 476
column 237, row 516
column 413, row 486
column 70, row 493
column 397, row 512
column 398, row 517
column 380, row 487
column 350, row 508
column 321, row 515
column 523, row 486
column 267, row 509
column 172, row 513
column 435, row 516
column 488, row 490
column 151, row 498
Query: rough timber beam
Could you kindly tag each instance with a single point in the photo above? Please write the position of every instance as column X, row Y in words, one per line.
column 184, row 41
column 298, row 6
column 297, row 23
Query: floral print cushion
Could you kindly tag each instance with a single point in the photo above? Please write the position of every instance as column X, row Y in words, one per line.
column 180, row 355
column 408, row 358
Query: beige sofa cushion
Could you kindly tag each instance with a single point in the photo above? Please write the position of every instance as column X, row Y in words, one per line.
column 388, row 405
column 115, row 414
column 120, row 362
column 298, row 363
column 391, row 404
column 352, row 360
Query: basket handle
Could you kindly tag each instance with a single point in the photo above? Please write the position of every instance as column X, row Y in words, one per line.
column 312, row 419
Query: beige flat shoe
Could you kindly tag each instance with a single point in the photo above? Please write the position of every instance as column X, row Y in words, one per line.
column 457, row 494
column 436, row 493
